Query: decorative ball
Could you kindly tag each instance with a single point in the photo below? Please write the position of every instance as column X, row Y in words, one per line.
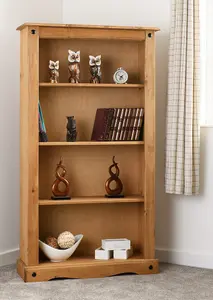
column 66, row 240
column 52, row 242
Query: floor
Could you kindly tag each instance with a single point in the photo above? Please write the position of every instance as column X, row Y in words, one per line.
column 173, row 283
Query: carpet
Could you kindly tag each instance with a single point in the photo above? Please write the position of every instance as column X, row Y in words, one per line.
column 173, row 283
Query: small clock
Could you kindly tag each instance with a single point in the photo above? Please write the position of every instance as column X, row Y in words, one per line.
column 120, row 76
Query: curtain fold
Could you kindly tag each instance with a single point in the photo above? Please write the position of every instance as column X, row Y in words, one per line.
column 183, row 128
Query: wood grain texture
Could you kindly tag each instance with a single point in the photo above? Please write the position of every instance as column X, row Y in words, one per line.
column 91, row 143
column 87, row 169
column 114, row 54
column 95, row 222
column 29, row 147
column 87, row 26
column 149, row 184
column 88, row 268
column 21, row 267
column 57, row 104
column 93, row 200
column 91, row 33
column 90, row 85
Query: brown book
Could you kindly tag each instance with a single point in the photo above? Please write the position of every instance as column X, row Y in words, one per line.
column 118, row 132
column 139, row 125
column 123, row 125
column 116, row 124
column 126, row 130
column 109, row 122
column 112, row 124
column 135, row 124
column 101, row 128
column 132, row 119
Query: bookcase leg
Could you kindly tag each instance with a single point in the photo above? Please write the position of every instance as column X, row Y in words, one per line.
column 149, row 204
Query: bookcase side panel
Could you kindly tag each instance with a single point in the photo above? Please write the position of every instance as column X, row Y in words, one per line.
column 149, row 204
column 29, row 146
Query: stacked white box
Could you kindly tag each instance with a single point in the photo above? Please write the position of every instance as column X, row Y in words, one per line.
column 103, row 254
column 122, row 254
column 113, row 244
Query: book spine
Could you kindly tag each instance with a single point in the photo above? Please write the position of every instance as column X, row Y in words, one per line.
column 43, row 136
column 112, row 124
column 135, row 124
column 42, row 129
column 110, row 115
column 116, row 124
column 41, row 117
column 101, row 125
column 119, row 125
column 139, row 125
column 123, row 125
column 127, row 124
column 131, row 124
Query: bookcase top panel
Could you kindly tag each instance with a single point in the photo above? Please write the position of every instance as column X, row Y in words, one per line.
column 88, row 26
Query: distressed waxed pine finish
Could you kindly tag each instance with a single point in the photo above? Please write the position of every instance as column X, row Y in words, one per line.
column 87, row 162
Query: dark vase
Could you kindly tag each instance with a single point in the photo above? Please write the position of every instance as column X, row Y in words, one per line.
column 71, row 129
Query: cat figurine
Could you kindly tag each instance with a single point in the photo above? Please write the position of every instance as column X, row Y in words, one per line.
column 54, row 73
column 95, row 68
column 74, row 66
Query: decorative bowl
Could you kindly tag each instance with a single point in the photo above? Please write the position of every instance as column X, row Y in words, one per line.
column 59, row 255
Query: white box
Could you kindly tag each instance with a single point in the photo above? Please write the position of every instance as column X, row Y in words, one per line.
column 103, row 254
column 122, row 254
column 113, row 244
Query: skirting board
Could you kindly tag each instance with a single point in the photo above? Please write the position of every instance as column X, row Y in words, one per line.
column 199, row 260
column 172, row 256
column 9, row 257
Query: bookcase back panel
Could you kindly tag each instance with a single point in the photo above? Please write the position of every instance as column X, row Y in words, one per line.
column 57, row 103
column 87, row 168
column 115, row 54
column 95, row 222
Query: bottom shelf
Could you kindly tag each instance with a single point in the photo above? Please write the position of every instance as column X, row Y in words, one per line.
column 86, row 267
column 87, row 261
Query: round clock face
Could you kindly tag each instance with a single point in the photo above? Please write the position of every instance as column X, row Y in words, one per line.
column 120, row 76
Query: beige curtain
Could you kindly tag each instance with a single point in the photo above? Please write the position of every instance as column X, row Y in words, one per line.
column 183, row 129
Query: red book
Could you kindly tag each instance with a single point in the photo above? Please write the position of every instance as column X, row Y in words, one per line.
column 112, row 124
column 123, row 125
column 139, row 125
column 127, row 125
column 101, row 128
column 120, row 120
column 132, row 119
column 135, row 124
column 116, row 124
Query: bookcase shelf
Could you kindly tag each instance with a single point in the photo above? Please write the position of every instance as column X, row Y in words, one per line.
column 92, row 143
column 87, row 162
column 93, row 200
column 90, row 85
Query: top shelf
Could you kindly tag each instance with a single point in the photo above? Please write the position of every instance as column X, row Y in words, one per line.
column 91, row 85
column 87, row 26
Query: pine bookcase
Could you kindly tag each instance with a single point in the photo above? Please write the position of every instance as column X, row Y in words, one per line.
column 87, row 162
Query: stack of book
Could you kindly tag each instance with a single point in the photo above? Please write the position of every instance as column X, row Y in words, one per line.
column 42, row 128
column 118, row 124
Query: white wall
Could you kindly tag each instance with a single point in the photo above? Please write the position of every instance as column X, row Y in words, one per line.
column 184, row 225
column 12, row 14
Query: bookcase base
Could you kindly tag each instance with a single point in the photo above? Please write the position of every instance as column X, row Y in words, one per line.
column 90, row 269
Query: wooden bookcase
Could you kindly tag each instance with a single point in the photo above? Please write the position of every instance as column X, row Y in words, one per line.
column 87, row 162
